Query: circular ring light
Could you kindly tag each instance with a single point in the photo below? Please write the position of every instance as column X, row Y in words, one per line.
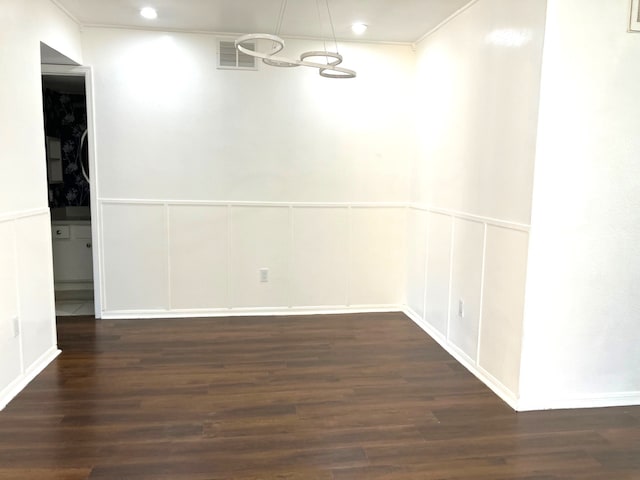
column 277, row 41
column 337, row 72
column 279, row 63
column 329, row 68
column 337, row 58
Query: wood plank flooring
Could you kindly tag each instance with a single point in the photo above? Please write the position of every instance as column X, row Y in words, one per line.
column 366, row 396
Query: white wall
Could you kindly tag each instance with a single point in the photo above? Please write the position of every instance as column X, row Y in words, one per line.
column 582, row 307
column 479, row 76
column 477, row 86
column 26, row 278
column 171, row 126
column 183, row 145
column 24, row 25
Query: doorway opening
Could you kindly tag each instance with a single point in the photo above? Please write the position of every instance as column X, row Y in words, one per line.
column 69, row 192
column 72, row 186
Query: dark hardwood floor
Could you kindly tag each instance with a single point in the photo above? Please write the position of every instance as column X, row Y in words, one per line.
column 343, row 397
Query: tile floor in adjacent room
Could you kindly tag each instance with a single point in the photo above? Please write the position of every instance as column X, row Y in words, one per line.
column 74, row 302
column 74, row 307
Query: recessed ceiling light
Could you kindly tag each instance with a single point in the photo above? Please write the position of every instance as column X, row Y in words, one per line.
column 359, row 28
column 149, row 13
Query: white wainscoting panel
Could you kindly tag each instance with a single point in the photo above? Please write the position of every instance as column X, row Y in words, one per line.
column 198, row 256
column 10, row 356
column 503, row 304
column 466, row 285
column 26, row 295
column 35, row 287
column 438, row 239
column 483, row 261
column 135, row 257
column 416, row 259
column 164, row 258
column 260, row 238
column 378, row 256
column 320, row 256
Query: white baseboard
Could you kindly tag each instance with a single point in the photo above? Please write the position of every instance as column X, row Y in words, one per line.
column 15, row 387
column 481, row 374
column 613, row 399
column 253, row 312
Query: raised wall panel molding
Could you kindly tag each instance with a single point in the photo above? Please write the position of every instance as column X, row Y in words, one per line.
column 472, row 217
column 25, row 331
column 256, row 203
column 441, row 331
column 17, row 215
column 307, row 247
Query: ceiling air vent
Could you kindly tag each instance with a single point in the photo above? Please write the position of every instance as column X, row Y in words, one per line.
column 230, row 58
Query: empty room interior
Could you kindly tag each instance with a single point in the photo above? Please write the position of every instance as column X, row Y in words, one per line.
column 319, row 239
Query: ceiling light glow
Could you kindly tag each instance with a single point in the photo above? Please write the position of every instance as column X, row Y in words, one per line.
column 509, row 37
column 359, row 28
column 149, row 13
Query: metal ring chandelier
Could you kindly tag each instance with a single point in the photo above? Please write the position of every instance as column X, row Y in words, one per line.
column 329, row 69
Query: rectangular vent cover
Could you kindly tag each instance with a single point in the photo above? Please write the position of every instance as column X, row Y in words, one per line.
column 230, row 58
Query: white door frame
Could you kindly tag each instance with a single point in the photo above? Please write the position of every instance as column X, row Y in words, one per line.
column 96, row 220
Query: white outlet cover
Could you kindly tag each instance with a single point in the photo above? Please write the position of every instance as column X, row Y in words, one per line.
column 264, row 275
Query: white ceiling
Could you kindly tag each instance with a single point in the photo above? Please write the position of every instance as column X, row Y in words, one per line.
column 402, row 21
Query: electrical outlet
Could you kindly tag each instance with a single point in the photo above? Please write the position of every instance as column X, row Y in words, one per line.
column 461, row 308
column 264, row 275
column 16, row 327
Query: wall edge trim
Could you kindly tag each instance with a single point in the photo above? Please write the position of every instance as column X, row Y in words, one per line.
column 445, row 21
column 494, row 222
column 66, row 12
column 250, row 203
column 20, row 214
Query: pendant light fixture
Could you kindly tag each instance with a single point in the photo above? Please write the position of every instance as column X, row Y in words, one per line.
column 325, row 61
